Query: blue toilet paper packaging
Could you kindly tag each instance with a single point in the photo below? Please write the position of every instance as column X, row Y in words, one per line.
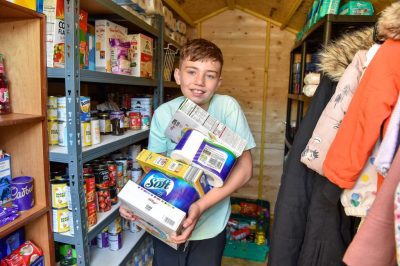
column 176, row 191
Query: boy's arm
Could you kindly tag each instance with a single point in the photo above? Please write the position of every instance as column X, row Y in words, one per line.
column 239, row 176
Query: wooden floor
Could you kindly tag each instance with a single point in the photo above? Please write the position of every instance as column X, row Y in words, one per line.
column 240, row 262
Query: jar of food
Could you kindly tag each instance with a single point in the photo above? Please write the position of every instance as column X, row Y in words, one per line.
column 105, row 124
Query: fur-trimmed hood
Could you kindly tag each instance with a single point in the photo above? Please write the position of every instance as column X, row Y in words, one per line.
column 338, row 54
column 389, row 22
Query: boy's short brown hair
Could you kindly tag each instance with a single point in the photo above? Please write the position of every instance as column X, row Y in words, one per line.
column 201, row 49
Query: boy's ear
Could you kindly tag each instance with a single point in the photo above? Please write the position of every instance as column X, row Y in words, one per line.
column 177, row 76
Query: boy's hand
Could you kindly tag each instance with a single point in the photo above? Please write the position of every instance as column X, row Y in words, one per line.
column 189, row 224
column 127, row 214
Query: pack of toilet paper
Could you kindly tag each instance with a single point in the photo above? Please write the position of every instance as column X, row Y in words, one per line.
column 191, row 116
column 197, row 150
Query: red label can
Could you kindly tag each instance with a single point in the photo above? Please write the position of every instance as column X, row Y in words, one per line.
column 112, row 172
column 92, row 213
column 90, row 187
column 135, row 120
column 102, row 178
column 103, row 200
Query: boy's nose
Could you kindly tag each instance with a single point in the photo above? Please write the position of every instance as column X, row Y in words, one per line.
column 200, row 80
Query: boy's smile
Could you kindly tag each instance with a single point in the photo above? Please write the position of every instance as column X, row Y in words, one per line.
column 199, row 80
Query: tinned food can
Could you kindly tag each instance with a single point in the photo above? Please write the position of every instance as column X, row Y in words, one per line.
column 62, row 109
column 86, row 134
column 102, row 239
column 95, row 128
column 112, row 172
column 61, row 220
column 51, row 114
column 101, row 177
column 115, row 241
column 59, row 190
column 90, row 187
column 113, row 195
column 52, row 102
column 52, row 128
column 92, row 213
column 115, row 226
column 103, row 200
column 62, row 133
column 135, row 120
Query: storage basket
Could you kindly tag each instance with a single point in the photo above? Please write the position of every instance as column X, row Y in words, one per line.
column 169, row 58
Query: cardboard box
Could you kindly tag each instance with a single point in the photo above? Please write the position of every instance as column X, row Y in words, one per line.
column 191, row 116
column 91, row 48
column 104, row 31
column 83, row 45
column 149, row 160
column 55, row 34
column 5, row 179
column 142, row 55
column 156, row 216
column 31, row 4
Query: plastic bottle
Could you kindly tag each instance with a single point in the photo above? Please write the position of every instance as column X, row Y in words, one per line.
column 5, row 106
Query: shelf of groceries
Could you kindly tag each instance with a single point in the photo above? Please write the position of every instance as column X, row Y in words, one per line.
column 108, row 144
column 103, row 219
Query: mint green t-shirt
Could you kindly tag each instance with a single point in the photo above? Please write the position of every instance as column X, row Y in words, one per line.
column 225, row 109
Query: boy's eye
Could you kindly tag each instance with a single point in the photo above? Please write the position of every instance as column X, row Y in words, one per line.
column 191, row 72
column 209, row 76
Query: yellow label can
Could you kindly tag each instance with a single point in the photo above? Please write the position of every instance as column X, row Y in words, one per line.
column 52, row 131
column 86, row 134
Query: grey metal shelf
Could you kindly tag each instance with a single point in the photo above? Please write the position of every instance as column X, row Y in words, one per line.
column 105, row 256
column 103, row 77
column 107, row 9
column 108, row 144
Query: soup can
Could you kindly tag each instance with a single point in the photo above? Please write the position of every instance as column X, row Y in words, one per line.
column 62, row 109
column 115, row 241
column 52, row 102
column 95, row 130
column 52, row 127
column 59, row 190
column 86, row 134
column 61, row 220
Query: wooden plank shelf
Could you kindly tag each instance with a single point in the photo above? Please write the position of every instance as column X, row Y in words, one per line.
column 24, row 218
column 16, row 119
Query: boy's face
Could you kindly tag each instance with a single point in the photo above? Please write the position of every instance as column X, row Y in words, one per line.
column 199, row 80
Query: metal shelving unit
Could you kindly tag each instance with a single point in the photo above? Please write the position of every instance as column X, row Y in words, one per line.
column 319, row 35
column 74, row 155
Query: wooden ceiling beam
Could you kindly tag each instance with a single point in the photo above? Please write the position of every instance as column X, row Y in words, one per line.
column 178, row 10
column 295, row 5
column 213, row 14
column 230, row 4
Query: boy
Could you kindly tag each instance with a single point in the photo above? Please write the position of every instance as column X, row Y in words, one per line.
column 199, row 76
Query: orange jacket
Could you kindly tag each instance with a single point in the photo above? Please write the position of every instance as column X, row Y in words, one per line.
column 371, row 106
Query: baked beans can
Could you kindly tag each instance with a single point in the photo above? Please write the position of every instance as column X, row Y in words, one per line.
column 103, row 200
column 51, row 114
column 90, row 187
column 112, row 172
column 71, row 222
column 105, row 123
column 52, row 128
column 135, row 121
column 101, row 177
column 115, row 226
column 115, row 241
column 62, row 109
column 86, row 134
column 92, row 213
column 95, row 128
column 62, row 133
column 52, row 102
column 113, row 195
column 85, row 108
column 102, row 239
column 59, row 190
column 124, row 162
column 61, row 220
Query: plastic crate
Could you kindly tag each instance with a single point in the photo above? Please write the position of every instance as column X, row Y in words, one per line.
column 245, row 211
column 246, row 250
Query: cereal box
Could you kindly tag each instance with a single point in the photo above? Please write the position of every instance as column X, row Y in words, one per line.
column 5, row 178
column 55, row 35
column 83, row 45
column 142, row 55
column 104, row 31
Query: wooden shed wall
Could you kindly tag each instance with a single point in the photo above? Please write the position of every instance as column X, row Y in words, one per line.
column 243, row 39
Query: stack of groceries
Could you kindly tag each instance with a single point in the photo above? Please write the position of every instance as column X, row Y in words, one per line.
column 205, row 153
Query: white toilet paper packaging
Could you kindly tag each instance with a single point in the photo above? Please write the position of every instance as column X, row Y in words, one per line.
column 191, row 116
column 215, row 160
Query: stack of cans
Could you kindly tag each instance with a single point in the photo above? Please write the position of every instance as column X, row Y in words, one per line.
column 52, row 120
column 145, row 107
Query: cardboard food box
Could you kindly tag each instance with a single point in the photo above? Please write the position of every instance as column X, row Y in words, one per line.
column 149, row 160
column 142, row 55
column 5, row 179
column 31, row 4
column 191, row 116
column 104, row 31
column 55, row 34
column 156, row 216
column 83, row 45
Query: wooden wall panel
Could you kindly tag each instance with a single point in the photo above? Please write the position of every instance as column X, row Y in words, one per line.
column 242, row 39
